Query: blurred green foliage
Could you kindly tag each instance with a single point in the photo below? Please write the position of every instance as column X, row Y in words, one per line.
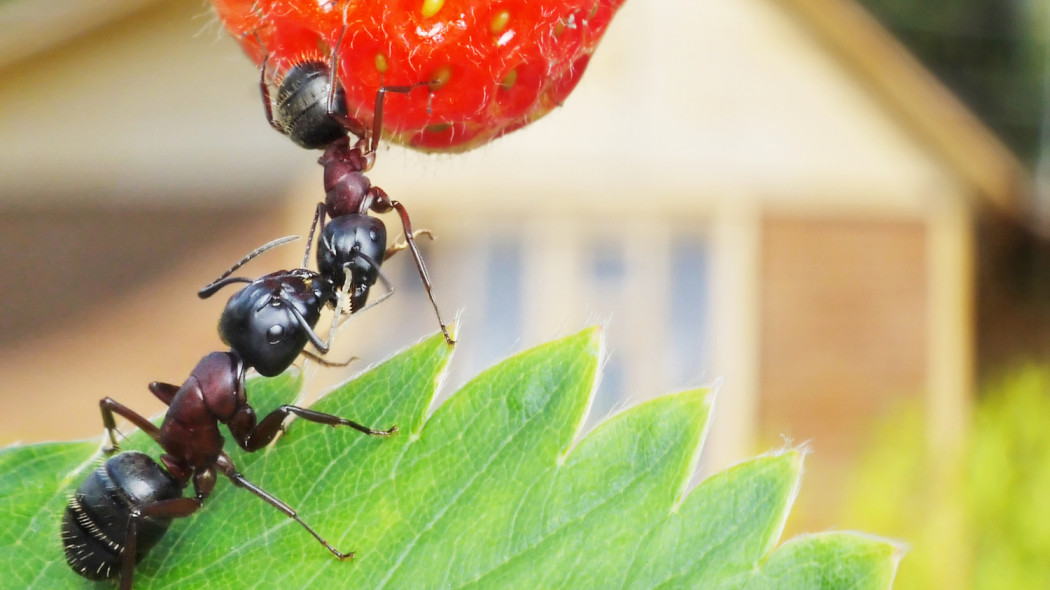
column 991, row 53
column 981, row 521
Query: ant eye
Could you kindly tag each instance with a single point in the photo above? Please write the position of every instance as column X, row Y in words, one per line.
column 372, row 235
column 274, row 334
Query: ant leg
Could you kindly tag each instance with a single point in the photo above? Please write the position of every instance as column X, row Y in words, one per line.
column 268, row 427
column 324, row 347
column 377, row 117
column 402, row 244
column 383, row 203
column 223, row 280
column 264, row 90
column 319, row 218
column 227, row 468
column 203, row 484
column 350, row 125
column 165, row 392
column 174, row 508
column 333, row 65
column 110, row 406
column 327, row 363
column 340, row 316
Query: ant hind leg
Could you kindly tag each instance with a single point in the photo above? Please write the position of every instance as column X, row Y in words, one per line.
column 109, row 407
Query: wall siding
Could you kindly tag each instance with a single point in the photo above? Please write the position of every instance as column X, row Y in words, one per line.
column 844, row 337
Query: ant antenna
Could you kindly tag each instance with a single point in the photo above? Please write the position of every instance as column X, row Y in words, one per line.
column 214, row 286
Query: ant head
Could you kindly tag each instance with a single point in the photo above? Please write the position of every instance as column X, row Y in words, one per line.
column 302, row 106
column 354, row 244
column 269, row 322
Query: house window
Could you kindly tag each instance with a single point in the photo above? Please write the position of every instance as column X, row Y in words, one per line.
column 689, row 353
column 523, row 284
column 504, row 289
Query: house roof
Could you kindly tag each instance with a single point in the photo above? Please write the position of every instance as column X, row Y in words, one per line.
column 896, row 77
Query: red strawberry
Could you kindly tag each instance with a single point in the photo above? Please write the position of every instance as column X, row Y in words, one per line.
column 498, row 64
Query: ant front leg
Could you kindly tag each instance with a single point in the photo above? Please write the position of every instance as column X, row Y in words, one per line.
column 402, row 244
column 377, row 117
column 165, row 392
column 110, row 406
column 335, row 96
column 264, row 90
column 327, row 363
column 226, row 466
column 324, row 346
column 317, row 225
column 381, row 203
column 252, row 437
column 336, row 104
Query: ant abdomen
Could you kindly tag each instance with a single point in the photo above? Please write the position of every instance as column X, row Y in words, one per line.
column 302, row 106
column 97, row 518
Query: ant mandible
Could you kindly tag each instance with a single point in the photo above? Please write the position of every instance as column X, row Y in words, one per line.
column 124, row 507
column 311, row 111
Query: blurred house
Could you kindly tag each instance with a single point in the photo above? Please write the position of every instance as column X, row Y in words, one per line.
column 770, row 193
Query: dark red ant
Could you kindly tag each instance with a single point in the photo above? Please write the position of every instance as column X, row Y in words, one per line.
column 124, row 507
column 311, row 110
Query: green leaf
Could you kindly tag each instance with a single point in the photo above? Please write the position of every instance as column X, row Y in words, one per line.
column 493, row 490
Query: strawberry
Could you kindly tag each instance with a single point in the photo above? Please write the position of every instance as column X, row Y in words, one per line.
column 495, row 65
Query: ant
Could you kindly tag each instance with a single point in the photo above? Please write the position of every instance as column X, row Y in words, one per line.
column 269, row 321
column 311, row 110
column 124, row 507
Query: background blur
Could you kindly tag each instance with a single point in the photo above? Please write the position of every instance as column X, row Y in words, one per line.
column 832, row 210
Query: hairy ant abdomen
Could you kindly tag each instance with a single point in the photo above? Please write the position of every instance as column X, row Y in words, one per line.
column 95, row 525
column 302, row 106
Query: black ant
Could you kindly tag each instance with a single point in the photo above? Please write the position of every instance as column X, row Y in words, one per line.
column 311, row 110
column 269, row 321
column 124, row 507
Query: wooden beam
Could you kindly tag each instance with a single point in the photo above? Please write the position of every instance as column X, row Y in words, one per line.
column 911, row 92
column 735, row 278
